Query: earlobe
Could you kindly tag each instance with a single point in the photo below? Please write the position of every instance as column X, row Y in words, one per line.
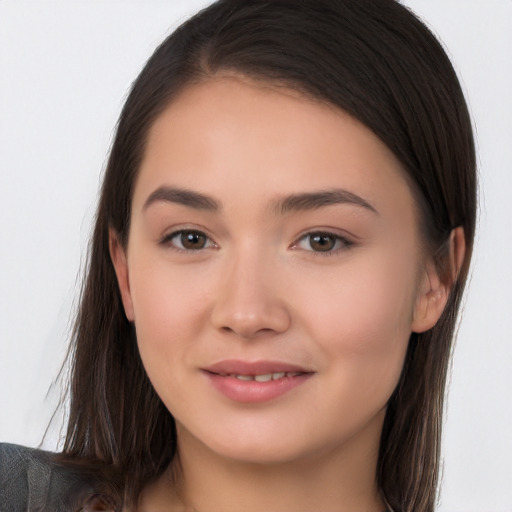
column 431, row 300
column 436, row 285
column 118, row 257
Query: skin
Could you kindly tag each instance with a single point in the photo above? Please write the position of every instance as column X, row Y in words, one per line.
column 259, row 289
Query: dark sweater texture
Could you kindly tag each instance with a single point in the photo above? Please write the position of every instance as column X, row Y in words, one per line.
column 30, row 481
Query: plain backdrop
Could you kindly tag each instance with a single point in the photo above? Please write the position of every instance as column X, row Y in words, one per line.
column 65, row 68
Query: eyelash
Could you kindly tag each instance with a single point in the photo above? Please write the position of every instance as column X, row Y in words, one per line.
column 167, row 240
column 341, row 242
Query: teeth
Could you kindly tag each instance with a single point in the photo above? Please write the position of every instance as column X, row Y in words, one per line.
column 264, row 377
column 244, row 377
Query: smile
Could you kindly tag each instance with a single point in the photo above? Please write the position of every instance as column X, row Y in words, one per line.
column 255, row 382
column 265, row 377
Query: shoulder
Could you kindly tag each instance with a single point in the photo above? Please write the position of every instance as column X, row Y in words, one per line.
column 31, row 480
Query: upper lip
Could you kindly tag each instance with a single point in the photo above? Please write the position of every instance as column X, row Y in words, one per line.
column 237, row 367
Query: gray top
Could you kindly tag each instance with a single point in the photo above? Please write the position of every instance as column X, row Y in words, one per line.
column 31, row 482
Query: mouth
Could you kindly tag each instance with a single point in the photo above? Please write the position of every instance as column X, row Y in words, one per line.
column 263, row 377
column 255, row 368
column 255, row 382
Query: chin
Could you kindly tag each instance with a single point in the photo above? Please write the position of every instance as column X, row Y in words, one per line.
column 258, row 445
column 261, row 453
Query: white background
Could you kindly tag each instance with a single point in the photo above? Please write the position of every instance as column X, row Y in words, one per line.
column 65, row 67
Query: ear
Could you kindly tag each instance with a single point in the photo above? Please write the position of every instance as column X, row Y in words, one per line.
column 437, row 282
column 118, row 257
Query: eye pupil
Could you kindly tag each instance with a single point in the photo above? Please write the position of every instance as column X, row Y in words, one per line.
column 193, row 240
column 322, row 243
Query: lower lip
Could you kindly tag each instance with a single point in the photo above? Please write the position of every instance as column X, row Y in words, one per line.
column 253, row 391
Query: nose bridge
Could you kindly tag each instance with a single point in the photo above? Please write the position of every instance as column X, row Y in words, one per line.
column 249, row 301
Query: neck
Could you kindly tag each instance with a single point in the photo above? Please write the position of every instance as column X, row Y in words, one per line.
column 341, row 479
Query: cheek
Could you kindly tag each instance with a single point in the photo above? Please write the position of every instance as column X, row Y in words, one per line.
column 169, row 312
column 362, row 320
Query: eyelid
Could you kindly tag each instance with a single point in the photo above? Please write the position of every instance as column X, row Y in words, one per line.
column 346, row 242
column 166, row 239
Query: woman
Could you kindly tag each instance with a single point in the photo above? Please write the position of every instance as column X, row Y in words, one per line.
column 283, row 236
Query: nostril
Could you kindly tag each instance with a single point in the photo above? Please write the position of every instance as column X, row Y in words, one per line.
column 249, row 312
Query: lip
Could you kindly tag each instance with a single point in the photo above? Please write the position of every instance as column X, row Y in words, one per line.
column 220, row 376
column 238, row 367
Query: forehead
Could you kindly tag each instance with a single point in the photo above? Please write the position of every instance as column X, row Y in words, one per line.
column 239, row 140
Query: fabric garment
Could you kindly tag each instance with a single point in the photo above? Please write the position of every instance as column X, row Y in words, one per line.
column 31, row 481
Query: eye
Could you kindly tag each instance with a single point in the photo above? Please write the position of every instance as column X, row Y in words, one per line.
column 188, row 240
column 323, row 242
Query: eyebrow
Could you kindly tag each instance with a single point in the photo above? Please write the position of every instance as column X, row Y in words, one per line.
column 185, row 197
column 314, row 200
column 282, row 206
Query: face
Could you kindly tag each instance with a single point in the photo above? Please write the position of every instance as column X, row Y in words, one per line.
column 273, row 271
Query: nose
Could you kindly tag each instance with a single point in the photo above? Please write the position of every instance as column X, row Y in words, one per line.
column 250, row 300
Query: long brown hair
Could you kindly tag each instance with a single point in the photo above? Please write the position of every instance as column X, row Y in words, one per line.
column 378, row 62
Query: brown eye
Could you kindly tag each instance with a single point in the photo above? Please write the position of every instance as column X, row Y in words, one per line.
column 322, row 242
column 193, row 240
column 187, row 240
